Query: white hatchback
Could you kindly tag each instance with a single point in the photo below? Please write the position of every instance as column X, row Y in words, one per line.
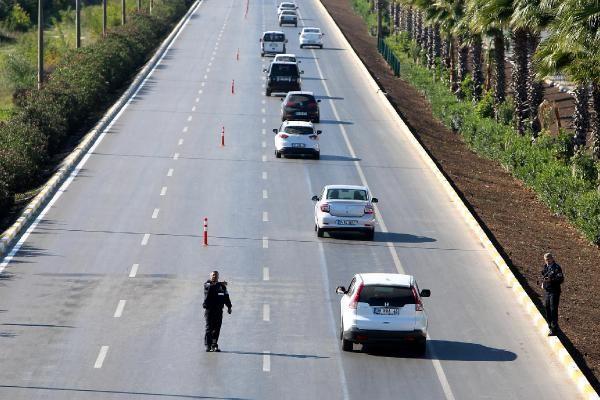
column 383, row 308
column 311, row 37
column 345, row 208
column 297, row 138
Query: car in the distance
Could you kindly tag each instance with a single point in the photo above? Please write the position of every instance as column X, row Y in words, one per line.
column 286, row 58
column 282, row 77
column 299, row 105
column 288, row 17
column 383, row 308
column 286, row 6
column 297, row 138
column 311, row 37
column 340, row 208
column 272, row 42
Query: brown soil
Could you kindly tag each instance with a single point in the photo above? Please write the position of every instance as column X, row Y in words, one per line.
column 522, row 227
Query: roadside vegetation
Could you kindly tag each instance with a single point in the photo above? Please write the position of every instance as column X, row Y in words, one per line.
column 441, row 49
column 80, row 85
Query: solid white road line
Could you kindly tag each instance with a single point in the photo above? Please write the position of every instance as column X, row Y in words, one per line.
column 266, row 361
column 120, row 308
column 101, row 357
column 265, row 194
column 155, row 213
column 265, row 242
column 265, row 216
column 176, row 156
column 163, row 191
column 134, row 270
column 264, row 175
column 145, row 239
column 170, row 172
column 266, row 312
column 265, row 273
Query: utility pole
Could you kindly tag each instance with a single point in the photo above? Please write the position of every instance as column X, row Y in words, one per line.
column 40, row 44
column 104, row 17
column 77, row 24
column 123, row 12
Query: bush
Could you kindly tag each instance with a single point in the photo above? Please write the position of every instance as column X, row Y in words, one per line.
column 485, row 107
column 18, row 19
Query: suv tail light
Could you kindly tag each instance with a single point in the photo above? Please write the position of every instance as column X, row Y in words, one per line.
column 354, row 300
column 313, row 137
column 369, row 210
column 418, row 302
column 284, row 135
column 312, row 106
column 325, row 207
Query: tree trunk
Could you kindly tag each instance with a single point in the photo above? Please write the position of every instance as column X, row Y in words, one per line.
column 581, row 116
column 397, row 17
column 535, row 88
column 430, row 48
column 476, row 50
column 453, row 78
column 519, row 78
column 595, row 133
column 462, row 70
column 499, row 73
column 436, row 41
column 446, row 46
column 420, row 30
column 410, row 24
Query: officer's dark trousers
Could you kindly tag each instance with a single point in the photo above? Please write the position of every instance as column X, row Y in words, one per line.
column 213, row 319
column 551, row 304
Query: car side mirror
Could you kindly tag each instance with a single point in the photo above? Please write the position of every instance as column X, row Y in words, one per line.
column 374, row 200
column 318, row 101
column 281, row 100
column 299, row 33
column 264, row 70
column 301, row 72
column 275, row 131
column 425, row 293
column 341, row 290
column 319, row 132
column 299, row 62
column 315, row 198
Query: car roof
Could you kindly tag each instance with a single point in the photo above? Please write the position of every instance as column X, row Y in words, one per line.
column 346, row 187
column 387, row 279
column 298, row 123
column 283, row 62
column 265, row 32
column 311, row 27
column 293, row 92
column 285, row 55
column 287, row 3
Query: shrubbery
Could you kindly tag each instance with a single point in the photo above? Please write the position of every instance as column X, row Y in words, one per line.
column 84, row 82
column 565, row 181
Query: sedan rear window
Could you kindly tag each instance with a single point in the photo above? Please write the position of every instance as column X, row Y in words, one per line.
column 347, row 194
column 311, row 31
column 299, row 130
column 284, row 70
column 274, row 37
column 394, row 296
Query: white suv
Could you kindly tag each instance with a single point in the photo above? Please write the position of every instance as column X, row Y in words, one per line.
column 383, row 308
column 297, row 138
column 345, row 208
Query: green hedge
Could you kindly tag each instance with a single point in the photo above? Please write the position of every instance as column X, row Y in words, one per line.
column 568, row 185
column 84, row 83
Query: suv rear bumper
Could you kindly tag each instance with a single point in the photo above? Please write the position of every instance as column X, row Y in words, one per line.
column 376, row 336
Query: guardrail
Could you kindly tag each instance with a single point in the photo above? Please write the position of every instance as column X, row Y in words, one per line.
column 389, row 55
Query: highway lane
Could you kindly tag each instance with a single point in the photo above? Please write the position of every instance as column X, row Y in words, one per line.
column 61, row 292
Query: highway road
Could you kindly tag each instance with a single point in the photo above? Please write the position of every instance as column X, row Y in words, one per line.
column 103, row 299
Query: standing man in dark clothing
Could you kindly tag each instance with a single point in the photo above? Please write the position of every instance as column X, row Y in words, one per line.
column 552, row 278
column 215, row 298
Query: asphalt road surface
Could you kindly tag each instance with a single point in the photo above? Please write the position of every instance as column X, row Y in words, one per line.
column 103, row 300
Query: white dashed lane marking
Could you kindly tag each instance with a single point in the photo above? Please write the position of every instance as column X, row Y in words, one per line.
column 265, row 216
column 265, row 242
column 264, row 175
column 163, row 191
column 266, row 312
column 190, row 118
column 145, row 239
column 185, row 129
column 265, row 194
column 264, row 144
column 180, row 142
column 266, row 361
column 170, row 172
column 193, row 108
column 102, row 355
column 155, row 213
column 265, row 273
column 134, row 269
column 120, row 308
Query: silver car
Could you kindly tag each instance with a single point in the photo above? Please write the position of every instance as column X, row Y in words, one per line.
column 345, row 208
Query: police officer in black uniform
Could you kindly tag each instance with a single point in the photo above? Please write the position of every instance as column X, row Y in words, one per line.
column 215, row 298
column 552, row 278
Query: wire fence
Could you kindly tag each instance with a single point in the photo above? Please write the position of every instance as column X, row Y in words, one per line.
column 389, row 55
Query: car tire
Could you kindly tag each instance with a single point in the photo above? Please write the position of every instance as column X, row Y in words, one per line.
column 321, row 47
column 277, row 154
column 301, row 46
column 421, row 347
column 347, row 345
column 317, row 156
column 317, row 120
column 320, row 232
column 262, row 54
column 267, row 93
column 371, row 235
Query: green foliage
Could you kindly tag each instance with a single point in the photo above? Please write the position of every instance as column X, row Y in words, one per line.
column 83, row 84
column 17, row 20
column 485, row 107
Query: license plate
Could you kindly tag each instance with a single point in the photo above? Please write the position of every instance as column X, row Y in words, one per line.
column 346, row 221
column 301, row 113
column 385, row 311
column 297, row 144
column 284, row 79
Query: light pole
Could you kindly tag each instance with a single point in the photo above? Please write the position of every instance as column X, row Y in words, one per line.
column 123, row 12
column 77, row 24
column 40, row 44
column 104, row 17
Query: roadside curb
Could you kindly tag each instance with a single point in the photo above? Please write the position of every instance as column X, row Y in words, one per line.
column 49, row 189
column 527, row 304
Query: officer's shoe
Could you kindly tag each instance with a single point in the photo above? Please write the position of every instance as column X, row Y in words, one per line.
column 208, row 349
column 215, row 347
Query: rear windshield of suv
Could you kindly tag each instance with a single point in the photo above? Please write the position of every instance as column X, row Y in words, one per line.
column 379, row 295
column 274, row 37
column 300, row 100
column 299, row 130
column 284, row 70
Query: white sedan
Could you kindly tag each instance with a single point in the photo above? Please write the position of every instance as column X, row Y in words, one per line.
column 286, row 6
column 311, row 37
column 345, row 208
column 297, row 138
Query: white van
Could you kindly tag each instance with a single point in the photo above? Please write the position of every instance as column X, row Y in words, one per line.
column 272, row 42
